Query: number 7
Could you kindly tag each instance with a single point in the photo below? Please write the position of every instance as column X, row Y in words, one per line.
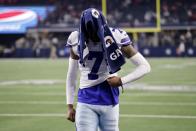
column 99, row 57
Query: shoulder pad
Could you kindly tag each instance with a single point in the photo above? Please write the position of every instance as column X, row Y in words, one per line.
column 120, row 36
column 73, row 38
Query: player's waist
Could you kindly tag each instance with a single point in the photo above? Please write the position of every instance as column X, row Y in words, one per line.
column 86, row 83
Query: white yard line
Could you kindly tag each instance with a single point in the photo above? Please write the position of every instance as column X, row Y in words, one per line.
column 121, row 115
column 170, row 88
column 31, row 82
column 146, row 94
column 33, row 115
column 121, row 103
column 35, row 93
column 159, row 103
column 34, row 102
column 158, row 116
column 165, row 94
column 176, row 66
column 133, row 86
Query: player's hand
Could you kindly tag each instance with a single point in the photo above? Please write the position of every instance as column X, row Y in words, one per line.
column 71, row 113
column 114, row 81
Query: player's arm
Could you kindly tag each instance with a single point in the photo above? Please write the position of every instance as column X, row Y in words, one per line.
column 71, row 84
column 72, row 75
column 142, row 67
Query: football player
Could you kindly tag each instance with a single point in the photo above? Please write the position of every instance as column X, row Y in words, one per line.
column 98, row 52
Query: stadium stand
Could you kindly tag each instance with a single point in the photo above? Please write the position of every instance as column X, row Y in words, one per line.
column 179, row 12
column 48, row 38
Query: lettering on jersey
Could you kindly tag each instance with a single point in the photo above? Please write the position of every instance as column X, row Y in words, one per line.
column 108, row 40
column 114, row 55
column 95, row 13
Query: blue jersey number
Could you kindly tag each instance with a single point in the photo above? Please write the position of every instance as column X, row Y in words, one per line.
column 98, row 59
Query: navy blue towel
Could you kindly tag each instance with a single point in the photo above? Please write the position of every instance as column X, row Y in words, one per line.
column 114, row 57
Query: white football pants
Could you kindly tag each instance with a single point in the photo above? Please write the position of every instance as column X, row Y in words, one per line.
column 93, row 117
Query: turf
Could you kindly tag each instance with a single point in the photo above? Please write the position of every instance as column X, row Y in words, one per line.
column 29, row 99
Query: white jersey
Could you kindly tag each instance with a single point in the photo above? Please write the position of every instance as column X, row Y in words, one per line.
column 95, row 70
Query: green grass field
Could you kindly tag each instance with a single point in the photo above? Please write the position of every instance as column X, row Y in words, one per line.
column 32, row 96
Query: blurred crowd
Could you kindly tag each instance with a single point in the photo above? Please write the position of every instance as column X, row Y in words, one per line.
column 181, row 41
column 168, row 38
column 67, row 12
column 127, row 13
column 120, row 13
column 132, row 13
column 26, row 2
column 178, row 12
column 34, row 44
column 47, row 44
column 124, row 13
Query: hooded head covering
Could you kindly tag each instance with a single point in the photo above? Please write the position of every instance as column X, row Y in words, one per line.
column 93, row 26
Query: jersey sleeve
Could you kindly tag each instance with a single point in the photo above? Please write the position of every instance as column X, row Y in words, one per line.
column 72, row 41
column 121, row 37
column 73, row 38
